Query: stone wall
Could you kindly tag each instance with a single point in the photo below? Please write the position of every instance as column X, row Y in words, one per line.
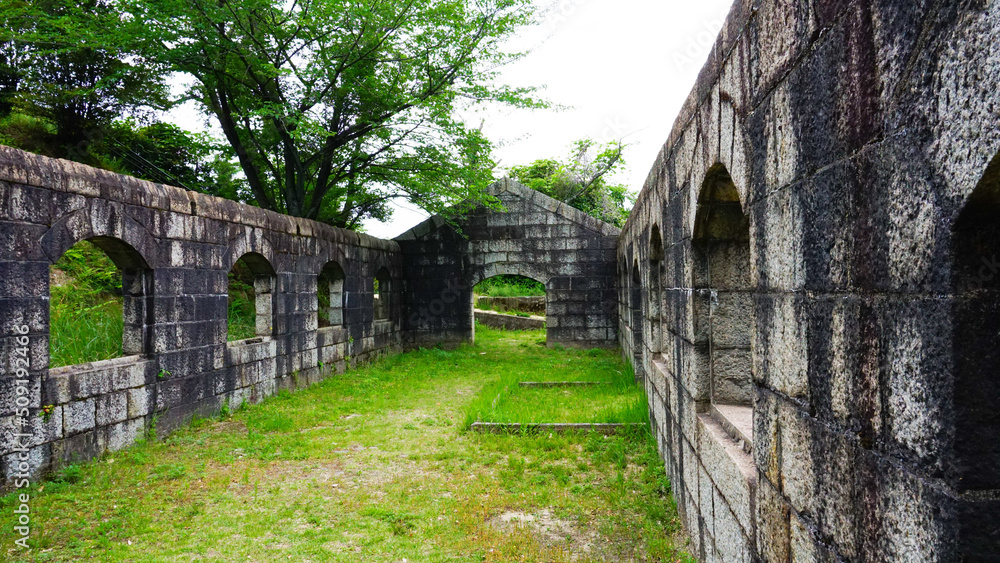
column 175, row 249
column 534, row 236
column 815, row 250
column 509, row 322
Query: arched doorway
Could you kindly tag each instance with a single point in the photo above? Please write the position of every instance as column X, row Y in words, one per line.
column 510, row 302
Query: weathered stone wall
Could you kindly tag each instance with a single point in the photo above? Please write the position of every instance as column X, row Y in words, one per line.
column 175, row 249
column 831, row 147
column 535, row 236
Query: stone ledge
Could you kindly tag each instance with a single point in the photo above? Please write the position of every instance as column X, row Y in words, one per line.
column 558, row 428
column 509, row 322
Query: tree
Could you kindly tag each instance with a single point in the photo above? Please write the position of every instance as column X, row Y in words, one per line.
column 55, row 66
column 581, row 181
column 335, row 107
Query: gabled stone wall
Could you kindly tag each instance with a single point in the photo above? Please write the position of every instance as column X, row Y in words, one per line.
column 570, row 252
column 850, row 136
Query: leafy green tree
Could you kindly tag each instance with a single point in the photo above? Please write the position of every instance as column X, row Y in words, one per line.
column 582, row 180
column 335, row 107
column 55, row 66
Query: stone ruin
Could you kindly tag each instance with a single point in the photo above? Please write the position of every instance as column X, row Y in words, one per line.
column 808, row 287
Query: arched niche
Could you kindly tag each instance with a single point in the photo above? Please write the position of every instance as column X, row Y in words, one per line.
column 330, row 295
column 976, row 364
column 723, row 297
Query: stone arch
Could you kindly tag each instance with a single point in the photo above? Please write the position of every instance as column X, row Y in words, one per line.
column 122, row 238
column 723, row 297
column 976, row 365
column 477, row 275
column 252, row 241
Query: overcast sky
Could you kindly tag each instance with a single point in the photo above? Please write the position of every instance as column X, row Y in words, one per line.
column 624, row 67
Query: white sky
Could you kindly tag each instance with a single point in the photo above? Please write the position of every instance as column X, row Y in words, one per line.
column 623, row 67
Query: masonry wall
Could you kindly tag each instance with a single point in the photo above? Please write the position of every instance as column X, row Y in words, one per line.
column 176, row 249
column 534, row 236
column 855, row 134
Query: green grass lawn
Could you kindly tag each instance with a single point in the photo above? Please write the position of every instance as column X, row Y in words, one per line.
column 374, row 465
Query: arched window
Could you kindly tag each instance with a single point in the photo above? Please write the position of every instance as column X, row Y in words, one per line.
column 976, row 349
column 330, row 295
column 100, row 303
column 251, row 306
column 383, row 295
column 656, row 275
column 723, row 295
column 636, row 306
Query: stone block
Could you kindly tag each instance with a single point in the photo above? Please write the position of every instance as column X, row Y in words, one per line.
column 111, row 408
column 79, row 416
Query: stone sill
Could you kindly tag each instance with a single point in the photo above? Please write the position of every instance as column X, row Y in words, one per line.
column 735, row 451
column 737, row 421
column 248, row 341
column 99, row 365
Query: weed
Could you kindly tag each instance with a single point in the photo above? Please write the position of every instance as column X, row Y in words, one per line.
column 168, row 472
column 46, row 412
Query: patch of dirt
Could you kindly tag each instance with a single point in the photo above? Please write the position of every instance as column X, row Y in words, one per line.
column 549, row 531
column 57, row 278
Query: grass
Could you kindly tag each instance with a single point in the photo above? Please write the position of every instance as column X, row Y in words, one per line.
column 618, row 401
column 509, row 286
column 373, row 465
column 241, row 313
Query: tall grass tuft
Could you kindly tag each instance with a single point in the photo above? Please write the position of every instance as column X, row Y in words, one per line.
column 510, row 286
column 242, row 309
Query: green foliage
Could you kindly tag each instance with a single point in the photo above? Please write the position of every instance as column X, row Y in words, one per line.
column 159, row 152
column 90, row 269
column 242, row 309
column 510, row 286
column 582, row 180
column 376, row 454
column 61, row 62
column 86, row 310
column 168, row 472
column 332, row 107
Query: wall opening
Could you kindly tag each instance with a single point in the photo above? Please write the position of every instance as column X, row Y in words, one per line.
column 510, row 302
column 250, row 311
column 330, row 296
column 99, row 305
column 382, row 291
column 636, row 307
column 656, row 275
column 723, row 299
column 976, row 352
